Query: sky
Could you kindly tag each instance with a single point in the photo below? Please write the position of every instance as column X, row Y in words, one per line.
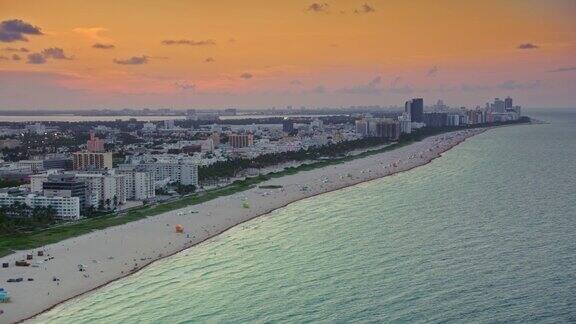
column 80, row 54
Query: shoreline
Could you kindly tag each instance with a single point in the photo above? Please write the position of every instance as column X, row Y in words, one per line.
column 428, row 149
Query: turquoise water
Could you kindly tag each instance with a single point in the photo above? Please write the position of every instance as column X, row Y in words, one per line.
column 487, row 233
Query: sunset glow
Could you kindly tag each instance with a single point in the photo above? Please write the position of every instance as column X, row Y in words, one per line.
column 135, row 54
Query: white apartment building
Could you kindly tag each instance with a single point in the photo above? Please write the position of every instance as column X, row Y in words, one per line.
column 362, row 127
column 182, row 171
column 453, row 120
column 103, row 187
column 139, row 184
column 405, row 123
column 36, row 181
column 67, row 208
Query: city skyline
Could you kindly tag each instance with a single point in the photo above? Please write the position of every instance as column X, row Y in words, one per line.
column 303, row 53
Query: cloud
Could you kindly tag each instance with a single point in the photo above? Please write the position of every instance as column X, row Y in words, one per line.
column 16, row 57
column 134, row 60
column 471, row 88
column 527, row 46
column 296, row 82
column 320, row 89
column 103, row 46
column 374, row 82
column 42, row 57
column 373, row 87
column 185, row 85
column 365, row 9
column 318, row 7
column 405, row 89
column 432, row 72
column 13, row 49
column 188, row 42
column 92, row 33
column 246, row 75
column 513, row 85
column 2, row 57
column 36, row 58
column 564, row 69
column 209, row 60
column 397, row 88
column 55, row 53
column 16, row 29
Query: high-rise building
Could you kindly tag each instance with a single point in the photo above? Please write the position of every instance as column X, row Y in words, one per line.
column 241, row 140
column 435, row 119
column 388, row 129
column 169, row 124
column 477, row 116
column 65, row 185
column 287, row 125
column 508, row 103
column 215, row 138
column 415, row 108
column 405, row 123
column 498, row 105
column 92, row 161
column 362, row 127
column 105, row 189
column 453, row 120
column 95, row 144
column 181, row 171
column 64, row 163
column 139, row 183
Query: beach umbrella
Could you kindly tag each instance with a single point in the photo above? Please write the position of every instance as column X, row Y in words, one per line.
column 179, row 228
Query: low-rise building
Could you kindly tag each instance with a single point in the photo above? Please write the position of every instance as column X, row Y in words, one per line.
column 67, row 208
column 10, row 143
column 32, row 165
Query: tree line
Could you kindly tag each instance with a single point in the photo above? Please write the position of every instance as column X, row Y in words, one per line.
column 19, row 217
column 229, row 168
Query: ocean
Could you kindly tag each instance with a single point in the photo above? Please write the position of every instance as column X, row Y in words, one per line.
column 486, row 233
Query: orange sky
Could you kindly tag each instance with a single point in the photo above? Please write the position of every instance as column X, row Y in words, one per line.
column 256, row 53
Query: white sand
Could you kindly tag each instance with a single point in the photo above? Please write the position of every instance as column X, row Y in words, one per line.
column 118, row 251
